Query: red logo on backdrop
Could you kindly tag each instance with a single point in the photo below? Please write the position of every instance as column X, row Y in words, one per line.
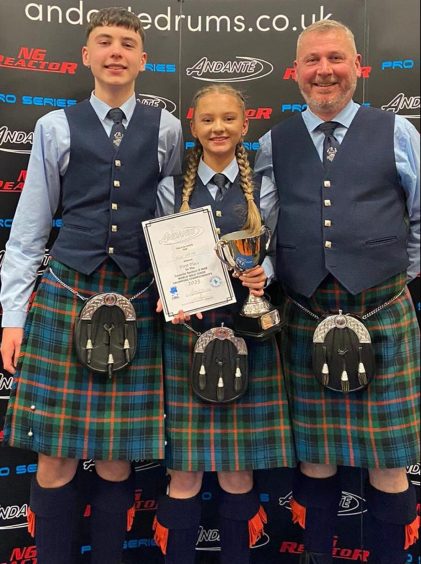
column 356, row 554
column 289, row 73
column 251, row 113
column 13, row 185
column 24, row 555
column 34, row 59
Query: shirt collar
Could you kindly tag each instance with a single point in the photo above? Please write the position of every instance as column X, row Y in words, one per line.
column 102, row 109
column 344, row 117
column 206, row 173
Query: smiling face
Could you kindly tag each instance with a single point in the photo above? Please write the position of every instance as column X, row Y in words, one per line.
column 327, row 68
column 115, row 55
column 219, row 123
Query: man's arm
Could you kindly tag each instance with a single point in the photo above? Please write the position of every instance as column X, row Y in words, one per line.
column 407, row 155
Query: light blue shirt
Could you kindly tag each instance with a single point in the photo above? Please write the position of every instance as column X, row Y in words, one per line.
column 41, row 194
column 407, row 157
column 269, row 202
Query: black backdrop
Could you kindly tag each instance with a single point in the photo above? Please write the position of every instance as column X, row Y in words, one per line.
column 251, row 44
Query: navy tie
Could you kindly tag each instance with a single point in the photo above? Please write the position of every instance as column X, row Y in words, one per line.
column 220, row 180
column 330, row 143
column 118, row 129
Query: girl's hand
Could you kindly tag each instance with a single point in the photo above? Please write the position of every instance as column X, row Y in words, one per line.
column 182, row 317
column 255, row 280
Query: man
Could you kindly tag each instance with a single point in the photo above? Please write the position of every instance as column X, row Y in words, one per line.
column 104, row 158
column 348, row 238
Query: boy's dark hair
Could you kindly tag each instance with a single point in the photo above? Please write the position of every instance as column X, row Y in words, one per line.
column 117, row 16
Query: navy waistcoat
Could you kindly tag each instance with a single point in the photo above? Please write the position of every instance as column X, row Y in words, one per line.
column 350, row 222
column 106, row 194
column 229, row 215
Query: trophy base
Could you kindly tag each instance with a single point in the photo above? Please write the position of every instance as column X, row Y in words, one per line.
column 261, row 328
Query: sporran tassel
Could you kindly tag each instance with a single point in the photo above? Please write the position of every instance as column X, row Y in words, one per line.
column 202, row 377
column 110, row 365
column 345, row 381
column 220, row 392
column 325, row 369
column 362, row 374
column 238, row 377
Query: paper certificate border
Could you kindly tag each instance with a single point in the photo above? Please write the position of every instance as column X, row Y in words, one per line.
column 208, row 216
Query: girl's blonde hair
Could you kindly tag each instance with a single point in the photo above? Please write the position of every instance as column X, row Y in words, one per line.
column 254, row 220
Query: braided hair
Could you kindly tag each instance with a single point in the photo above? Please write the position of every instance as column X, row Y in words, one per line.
column 253, row 222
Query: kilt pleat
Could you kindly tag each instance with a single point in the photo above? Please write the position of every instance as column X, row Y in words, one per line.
column 374, row 428
column 252, row 433
column 58, row 407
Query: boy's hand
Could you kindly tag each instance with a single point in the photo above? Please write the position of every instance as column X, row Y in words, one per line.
column 10, row 347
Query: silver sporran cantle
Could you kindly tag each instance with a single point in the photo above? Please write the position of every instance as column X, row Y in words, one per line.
column 241, row 251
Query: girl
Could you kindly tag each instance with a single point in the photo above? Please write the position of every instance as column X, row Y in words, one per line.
column 254, row 432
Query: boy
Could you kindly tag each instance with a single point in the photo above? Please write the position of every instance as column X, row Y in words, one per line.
column 107, row 187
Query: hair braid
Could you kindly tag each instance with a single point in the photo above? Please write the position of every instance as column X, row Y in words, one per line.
column 190, row 176
column 254, row 220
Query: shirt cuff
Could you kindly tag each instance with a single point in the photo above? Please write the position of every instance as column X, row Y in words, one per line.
column 13, row 319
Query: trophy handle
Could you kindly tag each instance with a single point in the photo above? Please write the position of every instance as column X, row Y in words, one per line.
column 219, row 249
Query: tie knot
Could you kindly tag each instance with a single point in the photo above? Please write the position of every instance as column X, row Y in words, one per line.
column 328, row 127
column 220, row 180
column 116, row 114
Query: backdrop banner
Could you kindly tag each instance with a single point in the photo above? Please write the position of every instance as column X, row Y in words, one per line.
column 190, row 43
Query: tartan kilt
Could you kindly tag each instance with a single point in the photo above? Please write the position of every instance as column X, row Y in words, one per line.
column 252, row 433
column 59, row 408
column 373, row 428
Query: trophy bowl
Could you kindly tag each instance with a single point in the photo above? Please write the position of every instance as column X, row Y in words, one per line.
column 242, row 251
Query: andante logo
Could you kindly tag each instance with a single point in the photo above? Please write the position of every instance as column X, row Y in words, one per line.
column 13, row 517
column 157, row 102
column 5, row 382
column 12, row 139
column 350, row 504
column 142, row 465
column 209, row 540
column 5, row 385
column 34, row 59
column 414, row 473
column 176, row 237
column 400, row 104
column 238, row 70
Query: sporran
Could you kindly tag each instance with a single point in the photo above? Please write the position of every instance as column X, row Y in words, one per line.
column 219, row 371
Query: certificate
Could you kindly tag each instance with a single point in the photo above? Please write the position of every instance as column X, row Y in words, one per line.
column 188, row 273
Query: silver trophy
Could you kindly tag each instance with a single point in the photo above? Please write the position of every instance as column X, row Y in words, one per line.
column 241, row 251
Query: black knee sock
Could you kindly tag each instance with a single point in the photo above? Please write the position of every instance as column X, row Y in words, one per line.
column 53, row 514
column 318, row 502
column 111, row 503
column 391, row 517
column 241, row 523
column 176, row 528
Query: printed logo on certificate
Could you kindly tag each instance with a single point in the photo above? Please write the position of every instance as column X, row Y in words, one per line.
column 188, row 272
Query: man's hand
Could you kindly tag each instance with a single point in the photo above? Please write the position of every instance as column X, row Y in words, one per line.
column 10, row 347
